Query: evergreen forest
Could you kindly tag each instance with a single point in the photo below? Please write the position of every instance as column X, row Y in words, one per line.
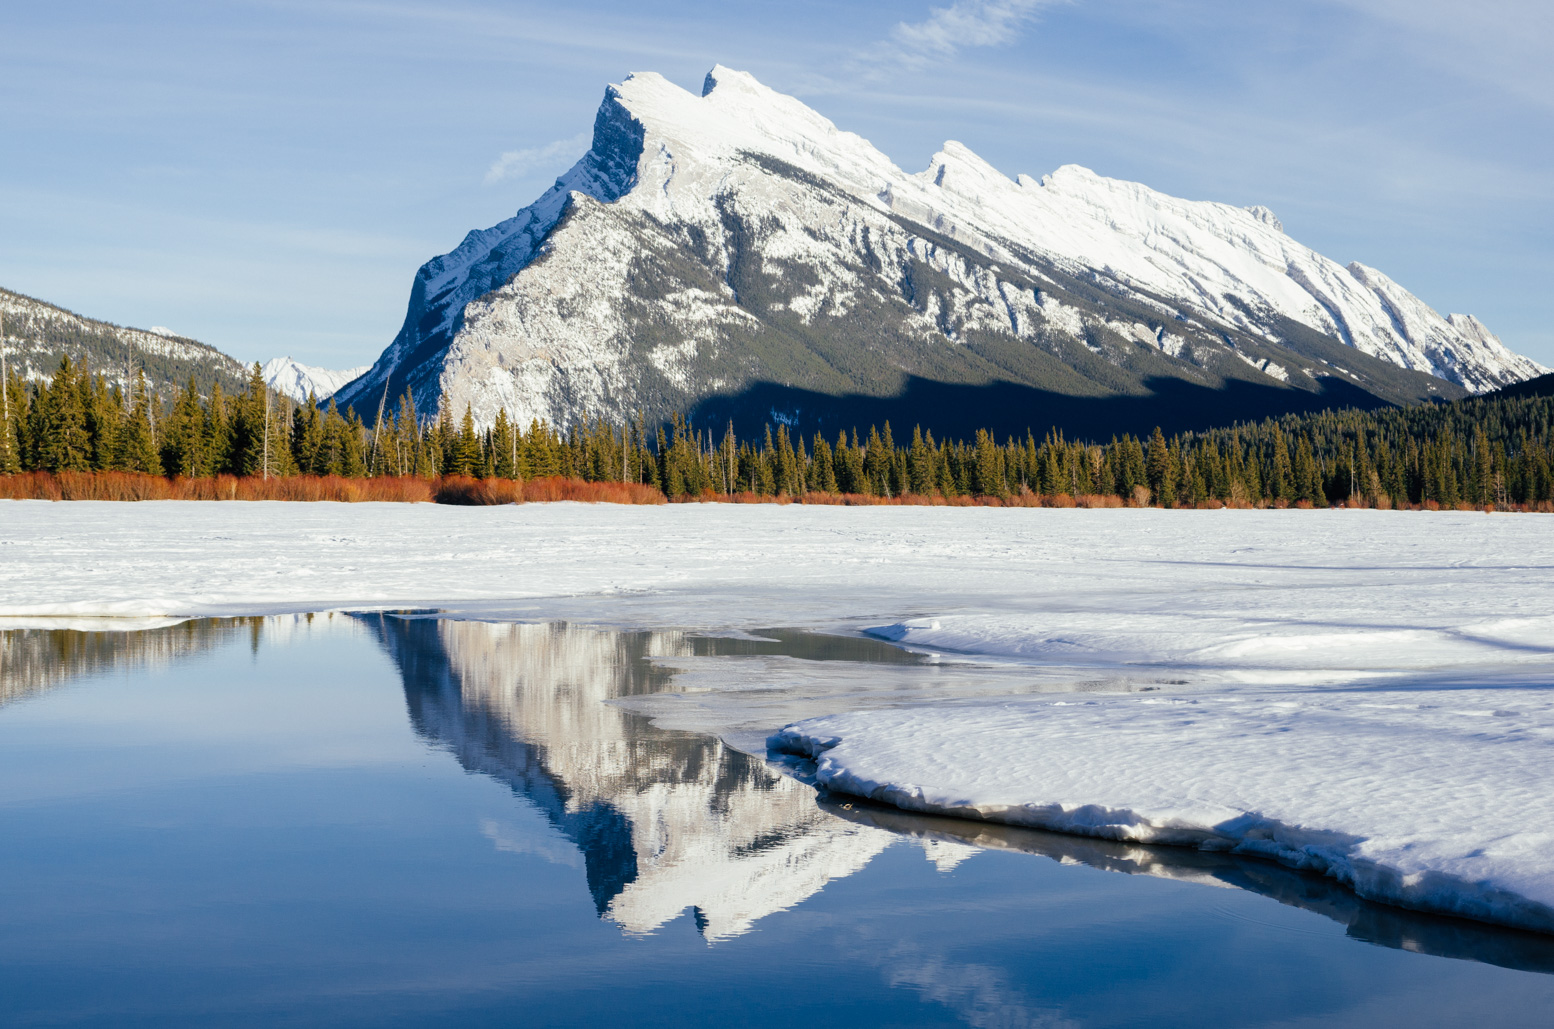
column 1490, row 451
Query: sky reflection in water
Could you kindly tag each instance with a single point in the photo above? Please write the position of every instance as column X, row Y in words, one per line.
column 234, row 821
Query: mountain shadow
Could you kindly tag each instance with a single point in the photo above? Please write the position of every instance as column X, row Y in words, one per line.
column 957, row 411
column 1542, row 386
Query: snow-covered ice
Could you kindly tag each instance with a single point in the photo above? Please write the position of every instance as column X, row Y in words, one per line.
column 1440, row 800
column 1362, row 692
column 1215, row 595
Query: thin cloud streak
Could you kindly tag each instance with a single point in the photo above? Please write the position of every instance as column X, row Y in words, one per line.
column 949, row 30
column 1501, row 42
column 517, row 163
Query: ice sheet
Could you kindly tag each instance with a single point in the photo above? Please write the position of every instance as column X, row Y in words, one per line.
column 1439, row 800
column 1252, row 594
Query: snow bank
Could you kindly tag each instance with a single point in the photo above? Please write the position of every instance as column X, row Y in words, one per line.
column 1237, row 639
column 1438, row 800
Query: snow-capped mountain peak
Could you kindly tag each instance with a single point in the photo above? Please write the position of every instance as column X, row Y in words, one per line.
column 299, row 381
column 736, row 243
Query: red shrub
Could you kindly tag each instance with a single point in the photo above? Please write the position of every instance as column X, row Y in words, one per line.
column 555, row 488
column 458, row 489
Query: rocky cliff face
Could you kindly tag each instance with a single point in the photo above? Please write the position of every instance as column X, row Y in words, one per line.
column 734, row 254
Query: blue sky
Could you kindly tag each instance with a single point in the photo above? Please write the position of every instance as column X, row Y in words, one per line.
column 267, row 175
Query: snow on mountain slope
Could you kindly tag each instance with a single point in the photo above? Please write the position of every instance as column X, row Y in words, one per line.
column 298, row 381
column 708, row 243
column 36, row 334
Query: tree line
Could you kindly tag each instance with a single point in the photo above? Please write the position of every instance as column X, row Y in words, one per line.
column 1492, row 450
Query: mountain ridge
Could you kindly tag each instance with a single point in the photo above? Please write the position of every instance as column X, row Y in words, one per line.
column 37, row 334
column 300, row 381
column 708, row 249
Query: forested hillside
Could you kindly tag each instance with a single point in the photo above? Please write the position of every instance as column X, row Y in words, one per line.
column 1490, row 450
column 34, row 336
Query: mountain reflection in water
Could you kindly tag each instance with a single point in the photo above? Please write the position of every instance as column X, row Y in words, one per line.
column 671, row 821
column 667, row 822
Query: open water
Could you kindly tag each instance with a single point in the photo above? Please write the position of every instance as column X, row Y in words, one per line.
column 411, row 821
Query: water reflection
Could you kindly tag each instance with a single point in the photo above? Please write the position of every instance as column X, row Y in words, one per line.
column 33, row 661
column 1372, row 923
column 667, row 822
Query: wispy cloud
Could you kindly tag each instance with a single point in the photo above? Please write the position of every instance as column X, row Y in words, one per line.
column 949, row 30
column 514, row 163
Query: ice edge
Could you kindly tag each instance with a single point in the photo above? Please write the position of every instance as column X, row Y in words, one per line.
column 1248, row 833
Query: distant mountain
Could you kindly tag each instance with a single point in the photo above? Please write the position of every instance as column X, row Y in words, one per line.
column 297, row 381
column 735, row 255
column 37, row 334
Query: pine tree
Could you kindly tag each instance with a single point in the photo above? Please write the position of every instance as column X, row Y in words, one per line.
column 1280, row 480
column 822, row 469
column 184, row 451
column 920, row 464
column 10, row 403
column 465, row 459
column 307, row 438
column 64, row 442
column 138, row 450
column 988, row 474
column 12, row 413
column 504, row 444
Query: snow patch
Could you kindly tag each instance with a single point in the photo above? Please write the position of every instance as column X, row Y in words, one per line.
column 1267, row 367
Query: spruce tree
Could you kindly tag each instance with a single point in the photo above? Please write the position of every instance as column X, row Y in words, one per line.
column 64, row 444
column 504, row 445
column 13, row 414
column 1157, row 468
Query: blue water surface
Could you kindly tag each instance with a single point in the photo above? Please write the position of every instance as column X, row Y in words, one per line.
column 411, row 821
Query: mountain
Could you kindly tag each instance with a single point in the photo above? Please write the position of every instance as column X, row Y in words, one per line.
column 735, row 255
column 36, row 335
column 298, row 381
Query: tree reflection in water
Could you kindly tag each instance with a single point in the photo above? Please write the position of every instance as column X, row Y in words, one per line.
column 35, row 660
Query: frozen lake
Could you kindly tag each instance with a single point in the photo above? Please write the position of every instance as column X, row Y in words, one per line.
column 386, row 820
